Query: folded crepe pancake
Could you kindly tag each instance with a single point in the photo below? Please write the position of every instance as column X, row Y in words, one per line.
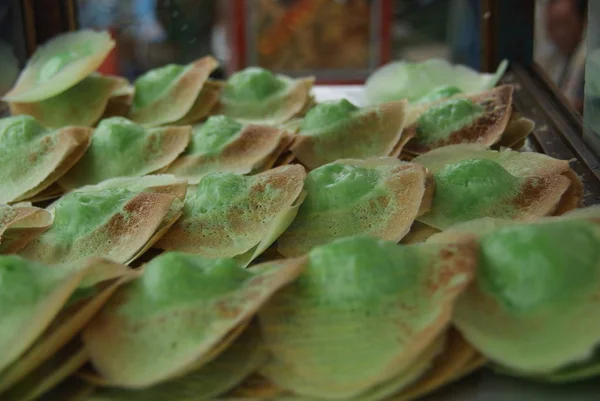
column 260, row 388
column 533, row 308
column 237, row 216
column 281, row 155
column 51, row 192
column 453, row 363
column 218, row 376
column 120, row 100
column 419, row 232
column 476, row 188
column 156, row 327
column 421, row 364
column 542, row 182
column 257, row 386
column 338, row 129
column 516, row 132
column 166, row 94
column 121, row 148
column 60, row 64
column 446, row 360
column 480, row 118
column 117, row 219
column 50, row 374
column 204, row 104
column 361, row 313
column 224, row 145
column 255, row 95
column 427, row 80
column 21, row 224
column 514, row 135
column 33, row 157
column 83, row 304
column 66, row 108
column 379, row 197
column 32, row 297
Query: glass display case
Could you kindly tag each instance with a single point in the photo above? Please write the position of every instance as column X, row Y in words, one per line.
column 343, row 42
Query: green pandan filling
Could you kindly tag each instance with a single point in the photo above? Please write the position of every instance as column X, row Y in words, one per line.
column 525, row 267
column 219, row 191
column 117, row 133
column 18, row 131
column 176, row 278
column 80, row 213
column 439, row 121
column 441, row 92
column 211, row 137
column 327, row 113
column 360, row 268
column 119, row 148
column 334, row 186
column 60, row 59
column 474, row 188
column 252, row 84
column 150, row 86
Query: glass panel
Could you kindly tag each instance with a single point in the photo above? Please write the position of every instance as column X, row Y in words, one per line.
column 591, row 113
column 151, row 33
column 560, row 45
column 336, row 40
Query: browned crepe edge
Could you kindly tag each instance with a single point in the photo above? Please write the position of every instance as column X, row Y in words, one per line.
column 253, row 144
column 404, row 138
column 52, row 192
column 27, row 224
column 119, row 103
column 457, row 353
column 419, row 232
column 516, row 132
column 203, row 105
column 535, row 203
column 572, row 197
column 75, row 141
column 284, row 144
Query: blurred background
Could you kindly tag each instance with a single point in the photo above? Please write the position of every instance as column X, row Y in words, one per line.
column 339, row 41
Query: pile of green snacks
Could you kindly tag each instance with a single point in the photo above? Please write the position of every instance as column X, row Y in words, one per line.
column 180, row 238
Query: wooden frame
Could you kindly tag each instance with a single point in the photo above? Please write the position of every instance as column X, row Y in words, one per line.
column 44, row 19
column 507, row 30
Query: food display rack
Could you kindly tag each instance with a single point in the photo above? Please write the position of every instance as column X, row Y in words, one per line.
column 506, row 33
